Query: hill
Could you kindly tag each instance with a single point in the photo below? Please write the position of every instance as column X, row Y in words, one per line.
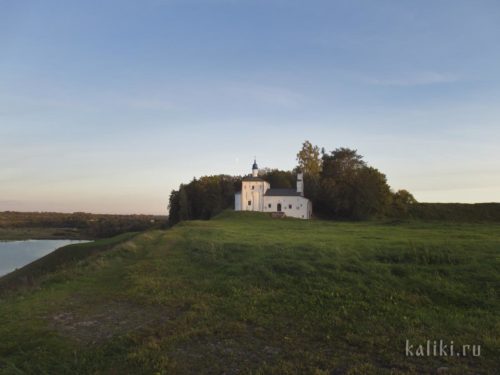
column 244, row 294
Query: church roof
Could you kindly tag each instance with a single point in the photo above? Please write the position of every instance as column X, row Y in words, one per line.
column 251, row 178
column 282, row 193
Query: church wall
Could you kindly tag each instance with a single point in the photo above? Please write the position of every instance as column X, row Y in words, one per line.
column 300, row 207
column 252, row 198
column 237, row 202
column 253, row 195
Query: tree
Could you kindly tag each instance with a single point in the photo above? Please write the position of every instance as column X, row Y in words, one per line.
column 309, row 159
column 405, row 197
column 173, row 208
column 341, row 162
column 401, row 202
column 312, row 188
column 349, row 188
column 279, row 179
column 372, row 196
column 202, row 198
column 310, row 163
column 183, row 204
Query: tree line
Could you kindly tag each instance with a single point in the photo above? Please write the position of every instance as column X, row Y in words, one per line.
column 89, row 225
column 342, row 185
column 339, row 183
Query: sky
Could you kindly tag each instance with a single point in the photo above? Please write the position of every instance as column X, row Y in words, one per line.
column 106, row 106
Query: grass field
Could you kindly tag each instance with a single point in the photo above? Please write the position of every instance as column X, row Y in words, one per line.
column 31, row 273
column 246, row 294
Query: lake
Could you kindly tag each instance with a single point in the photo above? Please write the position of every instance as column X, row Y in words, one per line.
column 15, row 254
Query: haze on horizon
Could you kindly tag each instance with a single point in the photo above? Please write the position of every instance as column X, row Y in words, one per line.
column 107, row 106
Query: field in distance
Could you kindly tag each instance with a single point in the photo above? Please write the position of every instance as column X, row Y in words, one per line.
column 246, row 294
column 77, row 225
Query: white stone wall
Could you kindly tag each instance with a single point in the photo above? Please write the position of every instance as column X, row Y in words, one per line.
column 300, row 183
column 293, row 206
column 237, row 202
column 252, row 195
column 252, row 198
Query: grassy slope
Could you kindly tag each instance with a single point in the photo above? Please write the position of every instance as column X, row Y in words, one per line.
column 247, row 294
column 64, row 256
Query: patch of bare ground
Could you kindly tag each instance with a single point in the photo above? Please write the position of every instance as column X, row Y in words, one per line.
column 109, row 319
column 227, row 354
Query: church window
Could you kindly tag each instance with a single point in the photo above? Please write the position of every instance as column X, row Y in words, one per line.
column 269, row 205
column 253, row 187
column 290, row 206
column 249, row 203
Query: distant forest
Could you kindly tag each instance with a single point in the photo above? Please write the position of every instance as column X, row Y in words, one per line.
column 88, row 225
column 340, row 184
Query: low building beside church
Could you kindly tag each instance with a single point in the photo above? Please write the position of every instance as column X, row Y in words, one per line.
column 257, row 195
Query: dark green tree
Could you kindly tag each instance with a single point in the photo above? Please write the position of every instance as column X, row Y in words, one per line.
column 202, row 198
column 173, row 208
column 279, row 179
column 402, row 200
column 349, row 188
column 184, row 208
column 341, row 163
column 372, row 195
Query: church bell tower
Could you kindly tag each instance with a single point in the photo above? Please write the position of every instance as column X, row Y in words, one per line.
column 255, row 168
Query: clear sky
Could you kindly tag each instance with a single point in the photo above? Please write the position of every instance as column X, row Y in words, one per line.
column 105, row 106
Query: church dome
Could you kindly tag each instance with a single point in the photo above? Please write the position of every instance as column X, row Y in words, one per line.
column 254, row 166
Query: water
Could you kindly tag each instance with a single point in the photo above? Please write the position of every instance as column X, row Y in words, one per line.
column 15, row 254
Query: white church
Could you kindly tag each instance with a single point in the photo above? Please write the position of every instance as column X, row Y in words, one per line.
column 256, row 195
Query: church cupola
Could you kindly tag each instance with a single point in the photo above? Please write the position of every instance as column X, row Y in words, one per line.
column 255, row 169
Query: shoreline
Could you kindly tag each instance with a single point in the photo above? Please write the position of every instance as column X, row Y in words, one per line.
column 36, row 233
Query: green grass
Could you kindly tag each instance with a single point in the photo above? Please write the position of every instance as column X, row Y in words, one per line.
column 63, row 257
column 246, row 294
